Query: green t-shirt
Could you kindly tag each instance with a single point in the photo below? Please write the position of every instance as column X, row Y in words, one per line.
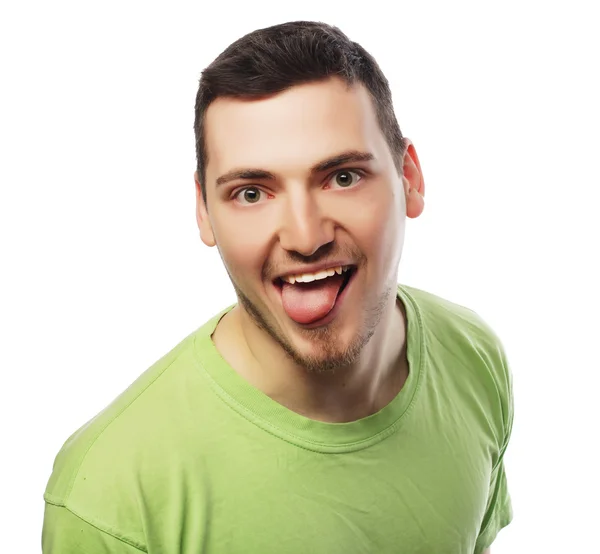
column 192, row 459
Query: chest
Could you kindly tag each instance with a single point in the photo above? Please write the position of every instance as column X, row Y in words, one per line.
column 395, row 498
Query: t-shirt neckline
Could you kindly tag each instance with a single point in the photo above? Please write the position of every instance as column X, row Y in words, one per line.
column 276, row 419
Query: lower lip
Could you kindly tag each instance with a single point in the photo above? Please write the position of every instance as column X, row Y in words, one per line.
column 334, row 311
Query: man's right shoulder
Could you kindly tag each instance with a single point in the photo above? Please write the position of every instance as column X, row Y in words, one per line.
column 126, row 435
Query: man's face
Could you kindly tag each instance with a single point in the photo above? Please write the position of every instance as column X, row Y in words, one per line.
column 280, row 203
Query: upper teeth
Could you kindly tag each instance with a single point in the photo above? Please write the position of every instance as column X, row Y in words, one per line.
column 308, row 277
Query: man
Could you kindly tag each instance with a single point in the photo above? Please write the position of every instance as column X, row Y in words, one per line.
column 330, row 410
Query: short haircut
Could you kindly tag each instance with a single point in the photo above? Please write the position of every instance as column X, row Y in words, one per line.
column 271, row 60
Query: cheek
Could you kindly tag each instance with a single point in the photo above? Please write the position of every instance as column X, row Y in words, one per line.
column 380, row 226
column 243, row 245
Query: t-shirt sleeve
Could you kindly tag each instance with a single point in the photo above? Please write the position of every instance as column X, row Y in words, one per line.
column 66, row 533
column 499, row 511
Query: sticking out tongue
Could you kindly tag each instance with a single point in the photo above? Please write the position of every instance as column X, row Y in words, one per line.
column 308, row 302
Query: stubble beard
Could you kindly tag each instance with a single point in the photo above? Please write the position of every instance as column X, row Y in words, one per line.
column 333, row 356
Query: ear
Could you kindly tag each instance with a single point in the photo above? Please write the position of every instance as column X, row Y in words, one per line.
column 206, row 232
column 414, row 184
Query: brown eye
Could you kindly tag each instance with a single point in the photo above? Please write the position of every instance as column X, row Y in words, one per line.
column 249, row 195
column 346, row 178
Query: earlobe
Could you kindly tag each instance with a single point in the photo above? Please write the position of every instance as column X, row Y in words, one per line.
column 204, row 225
column 413, row 181
column 415, row 204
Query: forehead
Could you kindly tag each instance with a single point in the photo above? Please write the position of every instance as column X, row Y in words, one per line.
column 292, row 130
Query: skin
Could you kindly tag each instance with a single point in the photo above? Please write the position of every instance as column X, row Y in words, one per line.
column 263, row 227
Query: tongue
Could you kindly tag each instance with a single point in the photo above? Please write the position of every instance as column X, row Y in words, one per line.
column 309, row 302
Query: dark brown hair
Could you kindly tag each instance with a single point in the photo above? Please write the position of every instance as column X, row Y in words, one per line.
column 271, row 60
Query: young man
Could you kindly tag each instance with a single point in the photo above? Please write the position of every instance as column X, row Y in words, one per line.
column 331, row 410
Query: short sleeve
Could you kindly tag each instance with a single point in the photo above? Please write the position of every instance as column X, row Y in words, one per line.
column 66, row 533
column 499, row 512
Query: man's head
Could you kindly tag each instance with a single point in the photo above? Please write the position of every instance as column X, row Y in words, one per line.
column 271, row 60
column 301, row 165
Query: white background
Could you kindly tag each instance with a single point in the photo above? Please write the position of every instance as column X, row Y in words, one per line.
column 103, row 270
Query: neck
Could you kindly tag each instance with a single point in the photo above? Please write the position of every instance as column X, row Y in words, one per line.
column 347, row 394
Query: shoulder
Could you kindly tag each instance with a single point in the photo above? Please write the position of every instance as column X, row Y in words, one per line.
column 470, row 352
column 111, row 446
column 458, row 325
column 443, row 314
column 143, row 448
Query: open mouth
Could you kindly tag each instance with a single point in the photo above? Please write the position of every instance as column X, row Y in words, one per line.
column 316, row 302
column 347, row 275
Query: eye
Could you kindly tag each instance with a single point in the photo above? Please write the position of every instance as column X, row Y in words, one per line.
column 345, row 178
column 248, row 195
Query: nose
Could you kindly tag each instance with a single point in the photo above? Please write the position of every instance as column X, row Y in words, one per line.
column 304, row 227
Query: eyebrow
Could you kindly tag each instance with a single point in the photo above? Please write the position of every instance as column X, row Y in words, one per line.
column 325, row 165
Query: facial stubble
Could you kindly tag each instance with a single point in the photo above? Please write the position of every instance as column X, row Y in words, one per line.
column 332, row 356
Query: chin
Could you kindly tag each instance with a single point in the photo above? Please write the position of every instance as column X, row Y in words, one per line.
column 327, row 349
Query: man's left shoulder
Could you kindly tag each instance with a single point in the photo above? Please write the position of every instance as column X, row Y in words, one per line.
column 453, row 322
column 463, row 342
column 466, row 356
